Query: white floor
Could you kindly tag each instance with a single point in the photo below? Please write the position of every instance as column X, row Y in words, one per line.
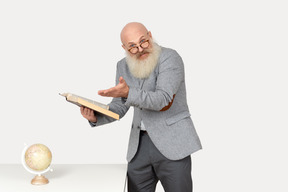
column 159, row 187
column 72, row 178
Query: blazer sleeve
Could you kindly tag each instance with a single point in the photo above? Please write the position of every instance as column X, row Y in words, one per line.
column 169, row 79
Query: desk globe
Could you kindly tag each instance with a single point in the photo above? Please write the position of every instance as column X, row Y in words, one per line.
column 36, row 159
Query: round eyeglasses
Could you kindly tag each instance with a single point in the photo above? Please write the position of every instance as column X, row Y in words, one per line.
column 144, row 44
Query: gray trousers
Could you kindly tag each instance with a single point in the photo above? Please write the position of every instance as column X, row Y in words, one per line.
column 149, row 166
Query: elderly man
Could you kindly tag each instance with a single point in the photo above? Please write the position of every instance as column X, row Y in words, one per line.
column 151, row 79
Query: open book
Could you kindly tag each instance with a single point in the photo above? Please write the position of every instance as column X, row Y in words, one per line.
column 96, row 106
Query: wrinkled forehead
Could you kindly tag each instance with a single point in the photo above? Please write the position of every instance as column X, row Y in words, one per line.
column 135, row 37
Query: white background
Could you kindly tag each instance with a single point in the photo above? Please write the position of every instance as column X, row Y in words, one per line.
column 235, row 55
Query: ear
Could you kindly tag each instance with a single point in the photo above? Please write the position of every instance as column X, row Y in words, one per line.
column 150, row 34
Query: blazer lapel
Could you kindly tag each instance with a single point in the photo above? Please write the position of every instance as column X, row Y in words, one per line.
column 141, row 83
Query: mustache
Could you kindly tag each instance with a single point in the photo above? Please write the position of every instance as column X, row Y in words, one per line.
column 142, row 53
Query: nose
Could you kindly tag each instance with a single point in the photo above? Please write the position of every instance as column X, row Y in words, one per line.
column 140, row 49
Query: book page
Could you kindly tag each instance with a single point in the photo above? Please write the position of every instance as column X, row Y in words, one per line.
column 74, row 99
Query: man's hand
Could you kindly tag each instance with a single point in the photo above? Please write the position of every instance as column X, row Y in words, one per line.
column 120, row 90
column 88, row 114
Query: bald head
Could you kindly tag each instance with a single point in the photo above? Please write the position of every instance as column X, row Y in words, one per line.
column 132, row 32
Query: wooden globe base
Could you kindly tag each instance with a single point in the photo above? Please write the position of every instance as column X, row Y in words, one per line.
column 39, row 180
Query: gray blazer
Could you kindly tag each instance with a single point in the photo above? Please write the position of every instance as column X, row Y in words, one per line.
column 172, row 131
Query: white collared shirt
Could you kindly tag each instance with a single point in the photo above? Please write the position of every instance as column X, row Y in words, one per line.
column 142, row 126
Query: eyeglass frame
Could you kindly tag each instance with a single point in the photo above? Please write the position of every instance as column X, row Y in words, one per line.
column 140, row 45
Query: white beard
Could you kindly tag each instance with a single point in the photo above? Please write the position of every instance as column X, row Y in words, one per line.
column 143, row 68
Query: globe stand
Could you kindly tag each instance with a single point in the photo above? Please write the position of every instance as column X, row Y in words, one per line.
column 39, row 180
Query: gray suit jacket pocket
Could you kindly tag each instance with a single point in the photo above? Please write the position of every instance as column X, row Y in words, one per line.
column 178, row 117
